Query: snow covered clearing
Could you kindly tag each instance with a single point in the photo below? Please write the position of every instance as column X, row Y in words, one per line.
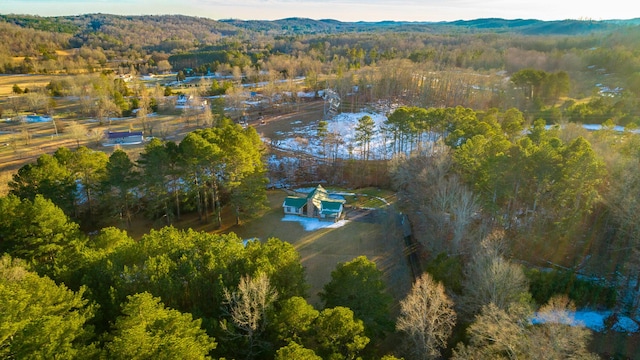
column 305, row 140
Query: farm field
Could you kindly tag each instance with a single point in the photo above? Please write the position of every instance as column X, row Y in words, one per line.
column 24, row 143
column 29, row 81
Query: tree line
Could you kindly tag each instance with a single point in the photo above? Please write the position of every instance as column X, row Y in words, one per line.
column 419, row 68
column 215, row 295
column 182, row 293
column 210, row 168
column 546, row 188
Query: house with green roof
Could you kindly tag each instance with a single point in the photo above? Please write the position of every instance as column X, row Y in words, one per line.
column 317, row 204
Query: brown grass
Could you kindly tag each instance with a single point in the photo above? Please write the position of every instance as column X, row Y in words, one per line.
column 29, row 81
column 16, row 150
column 320, row 250
column 278, row 125
column 323, row 249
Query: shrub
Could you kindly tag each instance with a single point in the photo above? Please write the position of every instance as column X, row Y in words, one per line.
column 545, row 284
column 447, row 270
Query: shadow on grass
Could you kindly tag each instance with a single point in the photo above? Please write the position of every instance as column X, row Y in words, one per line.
column 321, row 250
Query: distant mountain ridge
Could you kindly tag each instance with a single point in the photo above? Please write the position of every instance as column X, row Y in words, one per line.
column 520, row 26
column 26, row 35
column 297, row 25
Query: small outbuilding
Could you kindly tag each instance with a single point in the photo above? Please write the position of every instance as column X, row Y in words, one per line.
column 123, row 138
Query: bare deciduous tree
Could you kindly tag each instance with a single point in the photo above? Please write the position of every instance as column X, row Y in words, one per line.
column 508, row 334
column 106, row 108
column 235, row 99
column 427, row 318
column 427, row 189
column 36, row 101
column 247, row 308
column 492, row 279
column 76, row 131
column 557, row 335
column 496, row 334
column 454, row 199
column 624, row 204
column 15, row 103
column 142, row 113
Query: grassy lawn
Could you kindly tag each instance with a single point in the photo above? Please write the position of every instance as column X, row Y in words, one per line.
column 320, row 250
column 370, row 198
column 323, row 249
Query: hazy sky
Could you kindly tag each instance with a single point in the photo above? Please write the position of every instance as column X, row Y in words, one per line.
column 345, row 10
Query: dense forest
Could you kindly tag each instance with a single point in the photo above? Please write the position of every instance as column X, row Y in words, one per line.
column 517, row 211
column 443, row 64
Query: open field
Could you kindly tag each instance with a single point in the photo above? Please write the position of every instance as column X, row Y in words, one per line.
column 278, row 125
column 323, row 249
column 30, row 81
column 24, row 143
column 378, row 238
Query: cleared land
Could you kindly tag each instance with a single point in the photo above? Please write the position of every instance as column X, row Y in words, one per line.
column 377, row 238
column 323, row 249
column 29, row 81
column 375, row 235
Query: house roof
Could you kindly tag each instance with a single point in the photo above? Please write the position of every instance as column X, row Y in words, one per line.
column 318, row 193
column 122, row 134
column 293, row 201
column 321, row 199
column 331, row 206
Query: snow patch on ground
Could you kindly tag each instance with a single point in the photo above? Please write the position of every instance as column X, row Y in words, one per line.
column 312, row 224
column 305, row 139
column 594, row 320
column 246, row 242
column 626, row 324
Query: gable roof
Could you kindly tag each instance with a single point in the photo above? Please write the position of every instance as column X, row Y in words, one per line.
column 320, row 198
column 323, row 201
column 317, row 196
column 293, row 201
column 331, row 206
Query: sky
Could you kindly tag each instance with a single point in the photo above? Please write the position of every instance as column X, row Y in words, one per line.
column 343, row 10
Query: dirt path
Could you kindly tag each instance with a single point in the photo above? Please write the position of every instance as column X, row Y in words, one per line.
column 273, row 126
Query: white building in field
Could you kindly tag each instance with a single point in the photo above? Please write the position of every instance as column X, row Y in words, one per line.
column 317, row 204
column 123, row 138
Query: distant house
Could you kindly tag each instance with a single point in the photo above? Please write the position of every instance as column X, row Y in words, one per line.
column 317, row 204
column 123, row 138
column 183, row 99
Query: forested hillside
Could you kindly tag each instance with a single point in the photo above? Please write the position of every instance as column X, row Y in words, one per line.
column 297, row 26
